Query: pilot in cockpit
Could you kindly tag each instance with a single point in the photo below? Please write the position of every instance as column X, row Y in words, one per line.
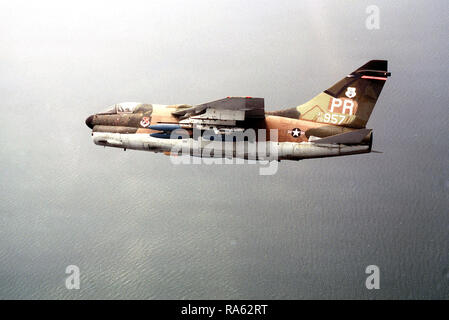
column 124, row 107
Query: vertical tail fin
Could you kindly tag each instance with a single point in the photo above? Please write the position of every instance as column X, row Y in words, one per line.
column 351, row 100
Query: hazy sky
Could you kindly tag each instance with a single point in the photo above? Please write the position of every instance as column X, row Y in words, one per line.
column 140, row 227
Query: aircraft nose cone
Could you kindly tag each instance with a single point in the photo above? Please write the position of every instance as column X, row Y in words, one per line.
column 89, row 121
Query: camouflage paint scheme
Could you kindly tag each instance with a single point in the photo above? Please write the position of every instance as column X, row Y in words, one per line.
column 331, row 124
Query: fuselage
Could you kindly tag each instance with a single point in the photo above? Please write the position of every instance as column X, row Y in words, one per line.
column 153, row 127
column 333, row 123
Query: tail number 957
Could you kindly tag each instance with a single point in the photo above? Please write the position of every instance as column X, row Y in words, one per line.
column 333, row 118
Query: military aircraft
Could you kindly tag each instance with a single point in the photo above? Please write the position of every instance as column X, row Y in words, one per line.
column 333, row 123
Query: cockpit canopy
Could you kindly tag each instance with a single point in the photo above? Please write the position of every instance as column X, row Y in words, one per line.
column 127, row 107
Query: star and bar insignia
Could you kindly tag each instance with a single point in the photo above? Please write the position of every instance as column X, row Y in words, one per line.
column 296, row 132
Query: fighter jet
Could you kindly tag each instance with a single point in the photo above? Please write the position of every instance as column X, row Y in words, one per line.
column 333, row 123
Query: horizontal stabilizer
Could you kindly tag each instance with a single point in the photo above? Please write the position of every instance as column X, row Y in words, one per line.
column 352, row 137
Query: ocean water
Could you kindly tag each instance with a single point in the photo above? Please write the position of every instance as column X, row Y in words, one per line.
column 140, row 227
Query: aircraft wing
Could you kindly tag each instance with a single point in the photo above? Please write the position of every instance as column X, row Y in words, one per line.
column 221, row 115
